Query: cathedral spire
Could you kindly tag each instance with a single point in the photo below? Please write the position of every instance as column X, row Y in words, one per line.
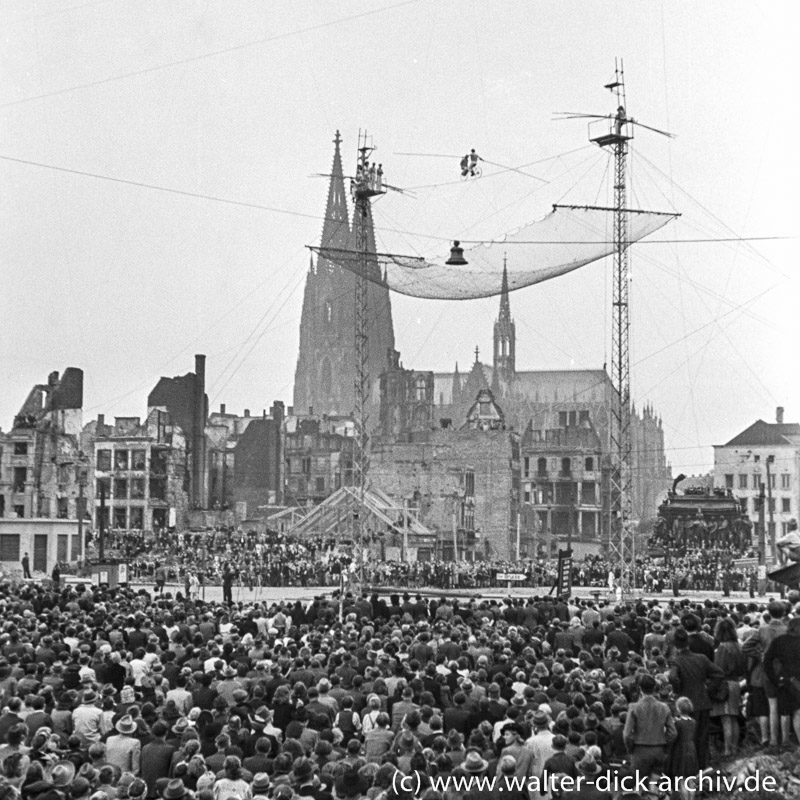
column 325, row 375
column 505, row 340
column 505, row 305
column 336, row 226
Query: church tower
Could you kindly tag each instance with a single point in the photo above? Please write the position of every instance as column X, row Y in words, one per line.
column 505, row 342
column 325, row 374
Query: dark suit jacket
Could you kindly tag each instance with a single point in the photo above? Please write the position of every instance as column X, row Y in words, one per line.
column 689, row 675
column 155, row 761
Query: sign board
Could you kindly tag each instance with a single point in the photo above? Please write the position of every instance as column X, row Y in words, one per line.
column 745, row 563
column 122, row 573
column 564, row 578
column 511, row 576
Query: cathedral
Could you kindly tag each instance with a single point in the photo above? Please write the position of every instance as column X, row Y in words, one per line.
column 325, row 377
column 544, row 409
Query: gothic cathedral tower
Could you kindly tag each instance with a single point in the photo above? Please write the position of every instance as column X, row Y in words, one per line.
column 325, row 375
column 505, row 344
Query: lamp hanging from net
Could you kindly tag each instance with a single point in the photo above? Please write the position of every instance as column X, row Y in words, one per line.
column 567, row 238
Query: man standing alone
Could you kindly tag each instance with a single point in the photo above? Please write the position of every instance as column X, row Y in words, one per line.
column 26, row 567
column 649, row 730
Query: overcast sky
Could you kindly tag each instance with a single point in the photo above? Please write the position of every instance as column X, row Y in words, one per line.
column 240, row 101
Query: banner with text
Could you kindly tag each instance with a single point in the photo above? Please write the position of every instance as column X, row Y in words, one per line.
column 564, row 579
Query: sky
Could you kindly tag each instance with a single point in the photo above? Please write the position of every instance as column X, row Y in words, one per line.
column 233, row 106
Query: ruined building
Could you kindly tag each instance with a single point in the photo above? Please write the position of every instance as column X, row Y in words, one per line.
column 142, row 474
column 325, row 375
column 462, row 482
column 42, row 465
column 564, row 416
column 184, row 399
column 319, row 457
column 152, row 473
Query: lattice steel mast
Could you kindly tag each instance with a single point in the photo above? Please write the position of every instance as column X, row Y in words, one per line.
column 368, row 183
column 621, row 540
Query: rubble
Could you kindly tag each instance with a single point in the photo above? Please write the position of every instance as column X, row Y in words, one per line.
column 784, row 767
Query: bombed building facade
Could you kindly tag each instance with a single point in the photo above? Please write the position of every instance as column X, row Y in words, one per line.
column 42, row 462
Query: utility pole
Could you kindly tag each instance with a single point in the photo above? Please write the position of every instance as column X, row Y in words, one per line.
column 455, row 526
column 101, row 548
column 762, row 543
column 405, row 530
column 81, row 509
column 771, row 510
column 518, row 534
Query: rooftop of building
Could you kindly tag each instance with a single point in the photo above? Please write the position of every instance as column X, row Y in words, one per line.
column 767, row 434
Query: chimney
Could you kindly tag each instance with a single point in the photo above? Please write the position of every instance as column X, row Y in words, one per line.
column 247, row 412
column 199, row 433
column 101, row 423
column 222, row 408
column 779, row 415
column 276, row 412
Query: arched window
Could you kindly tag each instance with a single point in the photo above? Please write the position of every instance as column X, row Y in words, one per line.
column 420, row 387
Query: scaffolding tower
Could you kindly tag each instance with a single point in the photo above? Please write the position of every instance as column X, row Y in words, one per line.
column 615, row 136
column 368, row 183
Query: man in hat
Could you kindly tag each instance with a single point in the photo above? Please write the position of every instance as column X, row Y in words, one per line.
column 228, row 685
column 62, row 774
column 87, row 719
column 586, row 789
column 26, row 566
column 304, row 777
column 175, row 790
column 541, row 742
column 474, row 764
column 260, row 786
column 123, row 750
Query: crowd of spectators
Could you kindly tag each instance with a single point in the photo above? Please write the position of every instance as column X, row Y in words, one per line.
column 272, row 559
column 111, row 694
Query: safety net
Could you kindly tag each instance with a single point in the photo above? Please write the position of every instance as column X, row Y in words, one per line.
column 567, row 238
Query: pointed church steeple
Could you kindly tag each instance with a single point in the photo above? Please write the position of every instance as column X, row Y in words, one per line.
column 325, row 373
column 456, row 392
column 505, row 340
column 336, row 225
